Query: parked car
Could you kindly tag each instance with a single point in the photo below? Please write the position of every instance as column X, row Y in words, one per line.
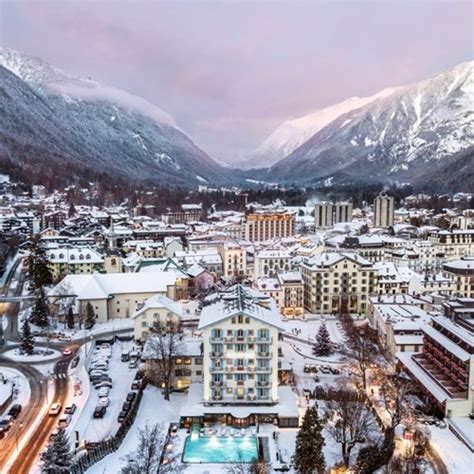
column 104, row 391
column 99, row 411
column 325, row 370
column 126, row 406
column 104, row 401
column 139, row 375
column 101, row 380
column 121, row 416
column 15, row 411
column 54, row 409
column 125, row 356
column 133, row 364
column 70, row 409
column 131, row 396
column 99, row 366
column 136, row 384
column 75, row 362
column 64, row 421
column 334, row 370
column 310, row 368
column 4, row 425
column 319, row 391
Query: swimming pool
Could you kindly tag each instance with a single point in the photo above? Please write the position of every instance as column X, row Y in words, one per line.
column 214, row 449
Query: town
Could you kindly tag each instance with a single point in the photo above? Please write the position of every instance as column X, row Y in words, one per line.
column 244, row 336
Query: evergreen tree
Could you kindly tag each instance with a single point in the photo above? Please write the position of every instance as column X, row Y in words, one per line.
column 323, row 345
column 309, row 456
column 57, row 458
column 70, row 318
column 90, row 316
column 27, row 342
column 39, row 314
column 38, row 271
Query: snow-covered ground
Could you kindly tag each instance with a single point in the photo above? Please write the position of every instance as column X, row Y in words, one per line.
column 22, row 390
column 91, row 429
column 40, row 355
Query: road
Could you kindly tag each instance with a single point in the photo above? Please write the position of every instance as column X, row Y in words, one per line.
column 28, row 456
column 30, row 412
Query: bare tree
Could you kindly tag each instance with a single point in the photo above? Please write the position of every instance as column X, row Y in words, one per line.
column 243, row 467
column 349, row 423
column 146, row 458
column 164, row 345
column 395, row 392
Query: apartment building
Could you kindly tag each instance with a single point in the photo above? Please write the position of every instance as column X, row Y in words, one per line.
column 155, row 310
column 234, row 260
column 263, row 225
column 338, row 282
column 444, row 369
column 461, row 274
column 240, row 328
column 287, row 291
column 392, row 279
column 188, row 213
column 454, row 243
column 269, row 262
column 326, row 214
column 384, row 211
column 74, row 261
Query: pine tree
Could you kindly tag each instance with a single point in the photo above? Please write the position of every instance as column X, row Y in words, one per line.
column 90, row 316
column 72, row 210
column 39, row 314
column 57, row 458
column 27, row 341
column 70, row 318
column 323, row 345
column 309, row 456
column 38, row 271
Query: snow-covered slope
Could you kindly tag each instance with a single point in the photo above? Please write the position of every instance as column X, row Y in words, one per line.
column 403, row 136
column 293, row 133
column 55, row 118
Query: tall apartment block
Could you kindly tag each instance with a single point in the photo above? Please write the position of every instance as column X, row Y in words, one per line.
column 384, row 211
column 327, row 214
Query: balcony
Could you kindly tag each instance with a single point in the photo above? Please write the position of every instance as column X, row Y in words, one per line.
column 263, row 383
column 217, row 354
column 217, row 369
column 217, row 339
column 216, row 383
column 264, row 354
column 264, row 370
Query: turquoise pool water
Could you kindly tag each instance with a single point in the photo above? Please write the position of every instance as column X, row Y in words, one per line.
column 213, row 449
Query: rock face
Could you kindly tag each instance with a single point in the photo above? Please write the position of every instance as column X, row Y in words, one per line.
column 52, row 121
column 419, row 131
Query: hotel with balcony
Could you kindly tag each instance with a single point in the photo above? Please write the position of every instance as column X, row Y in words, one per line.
column 444, row 369
column 240, row 330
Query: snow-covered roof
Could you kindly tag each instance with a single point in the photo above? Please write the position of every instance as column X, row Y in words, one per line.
column 100, row 286
column 236, row 300
column 74, row 256
column 160, row 302
column 328, row 259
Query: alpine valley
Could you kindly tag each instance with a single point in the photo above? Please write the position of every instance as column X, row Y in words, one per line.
column 55, row 126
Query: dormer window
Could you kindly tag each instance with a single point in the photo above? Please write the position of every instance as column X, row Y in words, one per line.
column 73, row 257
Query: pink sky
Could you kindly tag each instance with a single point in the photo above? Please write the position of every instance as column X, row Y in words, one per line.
column 230, row 72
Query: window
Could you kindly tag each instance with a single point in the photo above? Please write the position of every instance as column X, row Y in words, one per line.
column 198, row 361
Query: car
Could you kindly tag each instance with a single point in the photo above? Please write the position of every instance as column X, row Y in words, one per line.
column 98, row 373
column 100, row 367
column 136, row 384
column 99, row 411
column 54, row 409
column 68, row 351
column 104, row 391
column 324, row 370
column 104, row 401
column 316, row 378
column 133, row 364
column 125, row 356
column 105, row 345
column 64, row 421
column 131, row 396
column 54, row 433
column 101, row 380
column 75, row 362
column 139, row 375
column 334, row 370
column 15, row 410
column 4, row 425
column 319, row 391
column 70, row 409
column 122, row 415
column 126, row 406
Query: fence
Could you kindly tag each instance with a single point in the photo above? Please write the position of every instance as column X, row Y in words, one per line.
column 101, row 449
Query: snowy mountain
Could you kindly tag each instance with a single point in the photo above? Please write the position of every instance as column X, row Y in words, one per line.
column 293, row 133
column 414, row 132
column 52, row 120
